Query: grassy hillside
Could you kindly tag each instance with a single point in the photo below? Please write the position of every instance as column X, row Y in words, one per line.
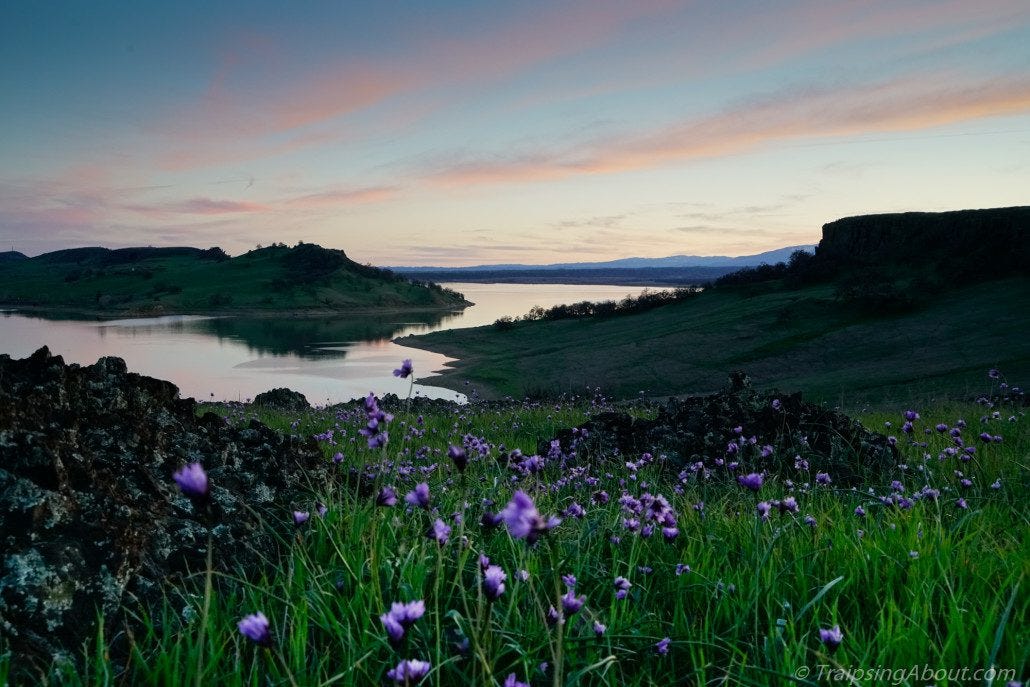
column 189, row 280
column 885, row 302
column 807, row 339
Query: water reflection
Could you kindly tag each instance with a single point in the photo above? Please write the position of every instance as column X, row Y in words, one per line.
column 312, row 338
column 327, row 358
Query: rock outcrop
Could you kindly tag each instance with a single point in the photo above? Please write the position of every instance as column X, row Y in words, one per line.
column 282, row 399
column 989, row 242
column 702, row 428
column 90, row 516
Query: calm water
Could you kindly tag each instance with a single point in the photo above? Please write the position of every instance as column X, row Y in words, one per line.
column 328, row 359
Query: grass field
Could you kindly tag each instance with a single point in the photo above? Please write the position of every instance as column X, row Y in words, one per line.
column 798, row 339
column 938, row 583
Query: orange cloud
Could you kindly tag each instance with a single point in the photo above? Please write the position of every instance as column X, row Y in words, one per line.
column 908, row 104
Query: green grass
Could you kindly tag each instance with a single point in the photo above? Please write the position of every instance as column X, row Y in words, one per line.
column 748, row 612
column 792, row 339
column 259, row 281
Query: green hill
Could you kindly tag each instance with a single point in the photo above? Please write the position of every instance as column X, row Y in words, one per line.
column 305, row 278
column 888, row 304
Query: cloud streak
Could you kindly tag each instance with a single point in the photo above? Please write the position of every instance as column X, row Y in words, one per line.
column 795, row 114
column 290, row 108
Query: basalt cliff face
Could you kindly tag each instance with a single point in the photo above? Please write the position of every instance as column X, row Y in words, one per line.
column 91, row 519
column 989, row 242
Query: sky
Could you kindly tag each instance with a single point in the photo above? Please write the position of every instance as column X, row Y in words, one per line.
column 459, row 133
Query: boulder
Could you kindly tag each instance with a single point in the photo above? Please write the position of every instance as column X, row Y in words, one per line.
column 91, row 519
column 282, row 399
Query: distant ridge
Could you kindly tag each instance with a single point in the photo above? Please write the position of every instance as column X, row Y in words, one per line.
column 768, row 257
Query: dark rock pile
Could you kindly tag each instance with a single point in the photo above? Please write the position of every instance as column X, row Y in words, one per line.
column 90, row 517
column 700, row 428
column 282, row 399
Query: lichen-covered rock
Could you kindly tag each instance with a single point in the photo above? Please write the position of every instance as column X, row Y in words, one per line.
column 701, row 429
column 282, row 399
column 90, row 518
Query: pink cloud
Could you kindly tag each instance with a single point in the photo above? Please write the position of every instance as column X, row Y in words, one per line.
column 906, row 104
column 255, row 97
column 338, row 197
column 197, row 206
column 811, row 25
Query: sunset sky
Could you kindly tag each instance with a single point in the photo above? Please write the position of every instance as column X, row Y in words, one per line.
column 433, row 133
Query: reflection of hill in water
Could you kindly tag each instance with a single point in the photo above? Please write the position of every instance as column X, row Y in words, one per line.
column 307, row 336
column 303, row 336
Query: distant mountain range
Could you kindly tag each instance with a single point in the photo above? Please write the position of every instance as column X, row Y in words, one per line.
column 769, row 257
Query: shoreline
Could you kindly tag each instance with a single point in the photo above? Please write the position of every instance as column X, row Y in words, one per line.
column 87, row 313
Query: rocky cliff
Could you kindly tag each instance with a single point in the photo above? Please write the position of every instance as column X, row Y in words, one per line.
column 988, row 242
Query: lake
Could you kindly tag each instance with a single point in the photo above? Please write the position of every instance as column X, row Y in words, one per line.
column 328, row 358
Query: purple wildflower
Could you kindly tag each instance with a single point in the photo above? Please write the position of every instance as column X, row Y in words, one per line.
column 860, row 511
column 373, row 430
column 961, row 503
column 512, row 681
column 569, row 580
column 662, row 646
column 193, row 482
column 575, row 511
column 831, row 638
column 822, row 478
column 911, row 415
column 572, row 603
column 788, row 505
column 599, row 628
column 255, row 628
column 776, row 405
column 682, row 568
column 622, row 586
column 387, row 497
column 763, row 509
column 524, row 521
column 440, row 531
column 458, row 456
column 400, row 617
column 409, row 671
column 419, row 496
column 300, row 517
column 493, row 581
column 810, row 521
column 752, row 481
column 490, row 520
column 405, row 369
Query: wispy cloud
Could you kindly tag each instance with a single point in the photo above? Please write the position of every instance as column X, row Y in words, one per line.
column 257, row 104
column 912, row 103
column 199, row 206
column 342, row 197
